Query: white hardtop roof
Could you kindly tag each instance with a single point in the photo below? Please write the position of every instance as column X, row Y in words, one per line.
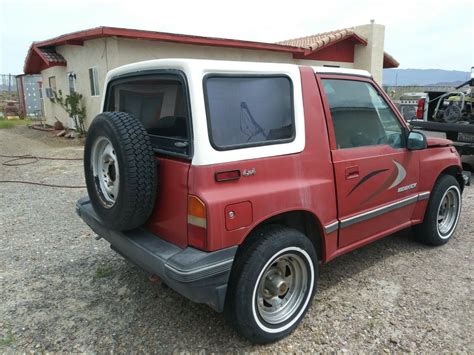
column 202, row 65
column 334, row 70
column 196, row 70
column 222, row 66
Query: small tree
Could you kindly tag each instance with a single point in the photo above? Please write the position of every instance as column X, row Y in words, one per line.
column 74, row 106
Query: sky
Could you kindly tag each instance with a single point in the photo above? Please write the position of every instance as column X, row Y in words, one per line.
column 419, row 34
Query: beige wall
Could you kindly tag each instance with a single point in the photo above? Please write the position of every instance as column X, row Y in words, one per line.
column 79, row 59
column 322, row 63
column 370, row 57
column 109, row 53
column 53, row 111
column 94, row 53
column 130, row 51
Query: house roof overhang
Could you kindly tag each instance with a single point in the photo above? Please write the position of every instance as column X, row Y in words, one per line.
column 32, row 62
column 42, row 55
column 39, row 59
column 353, row 38
column 389, row 61
column 322, row 42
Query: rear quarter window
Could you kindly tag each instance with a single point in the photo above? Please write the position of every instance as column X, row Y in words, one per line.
column 160, row 103
column 247, row 111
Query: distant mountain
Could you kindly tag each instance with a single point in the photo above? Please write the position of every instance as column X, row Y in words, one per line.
column 451, row 83
column 407, row 77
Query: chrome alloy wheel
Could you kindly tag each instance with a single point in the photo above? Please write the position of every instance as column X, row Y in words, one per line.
column 106, row 171
column 282, row 288
column 448, row 212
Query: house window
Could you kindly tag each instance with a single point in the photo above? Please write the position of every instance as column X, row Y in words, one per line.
column 94, row 81
column 52, row 82
column 52, row 87
column 71, row 78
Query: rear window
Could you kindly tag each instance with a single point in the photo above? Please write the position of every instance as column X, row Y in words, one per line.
column 160, row 103
column 249, row 111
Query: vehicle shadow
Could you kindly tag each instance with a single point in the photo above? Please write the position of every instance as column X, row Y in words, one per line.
column 349, row 265
column 159, row 318
column 114, row 307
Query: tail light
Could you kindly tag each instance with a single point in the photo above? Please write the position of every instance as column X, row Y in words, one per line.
column 197, row 222
column 227, row 175
column 420, row 110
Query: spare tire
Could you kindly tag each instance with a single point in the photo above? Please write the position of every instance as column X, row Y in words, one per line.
column 120, row 170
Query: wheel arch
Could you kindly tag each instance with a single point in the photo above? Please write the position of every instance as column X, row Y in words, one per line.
column 455, row 171
column 302, row 220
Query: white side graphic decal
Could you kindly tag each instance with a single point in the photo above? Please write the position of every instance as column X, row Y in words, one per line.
column 402, row 173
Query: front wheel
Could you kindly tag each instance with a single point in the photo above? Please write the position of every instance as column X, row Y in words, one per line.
column 272, row 284
column 442, row 213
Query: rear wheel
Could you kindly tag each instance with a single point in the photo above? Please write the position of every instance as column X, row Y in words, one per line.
column 442, row 213
column 272, row 283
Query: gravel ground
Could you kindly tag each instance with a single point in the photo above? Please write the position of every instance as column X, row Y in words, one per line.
column 61, row 290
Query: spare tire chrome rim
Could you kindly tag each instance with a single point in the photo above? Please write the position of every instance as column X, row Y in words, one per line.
column 282, row 288
column 448, row 212
column 106, row 171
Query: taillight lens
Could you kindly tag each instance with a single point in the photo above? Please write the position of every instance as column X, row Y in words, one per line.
column 197, row 223
column 227, row 175
column 420, row 110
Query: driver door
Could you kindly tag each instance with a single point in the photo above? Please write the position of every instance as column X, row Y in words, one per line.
column 376, row 176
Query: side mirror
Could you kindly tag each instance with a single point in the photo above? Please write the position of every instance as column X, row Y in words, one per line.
column 416, row 141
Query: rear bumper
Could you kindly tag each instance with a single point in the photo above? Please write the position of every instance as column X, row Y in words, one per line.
column 200, row 276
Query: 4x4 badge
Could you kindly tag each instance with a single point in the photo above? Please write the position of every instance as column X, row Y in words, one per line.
column 249, row 172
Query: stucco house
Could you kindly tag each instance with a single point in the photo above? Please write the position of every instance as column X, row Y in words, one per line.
column 79, row 61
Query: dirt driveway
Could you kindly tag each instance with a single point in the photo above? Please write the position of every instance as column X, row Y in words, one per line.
column 61, row 290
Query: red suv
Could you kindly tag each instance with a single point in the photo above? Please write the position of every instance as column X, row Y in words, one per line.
column 233, row 181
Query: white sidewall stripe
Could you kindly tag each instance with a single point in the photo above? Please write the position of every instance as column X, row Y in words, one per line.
column 457, row 214
column 305, row 302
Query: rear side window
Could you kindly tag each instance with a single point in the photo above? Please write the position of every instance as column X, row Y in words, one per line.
column 160, row 103
column 360, row 116
column 249, row 111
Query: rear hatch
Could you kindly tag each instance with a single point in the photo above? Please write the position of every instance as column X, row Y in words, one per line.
column 160, row 101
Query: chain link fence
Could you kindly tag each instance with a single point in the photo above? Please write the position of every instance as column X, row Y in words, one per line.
column 8, row 87
column 9, row 105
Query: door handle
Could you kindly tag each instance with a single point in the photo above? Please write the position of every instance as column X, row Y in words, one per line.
column 352, row 172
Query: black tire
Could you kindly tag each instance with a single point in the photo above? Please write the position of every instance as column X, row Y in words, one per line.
column 137, row 171
column 265, row 246
column 429, row 232
column 452, row 114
